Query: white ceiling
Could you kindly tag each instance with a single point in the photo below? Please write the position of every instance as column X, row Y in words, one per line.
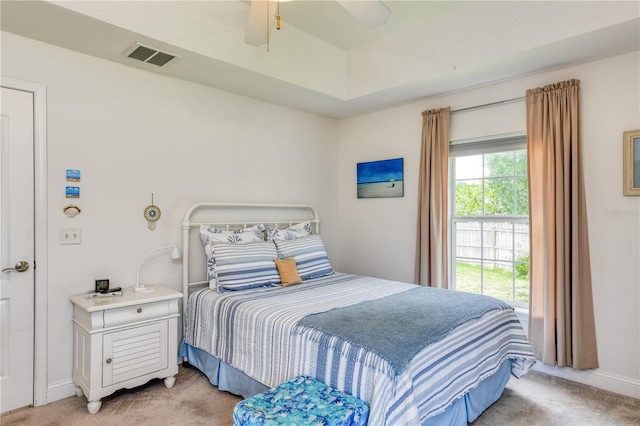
column 325, row 61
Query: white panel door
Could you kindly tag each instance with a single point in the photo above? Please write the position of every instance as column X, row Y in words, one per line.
column 17, row 245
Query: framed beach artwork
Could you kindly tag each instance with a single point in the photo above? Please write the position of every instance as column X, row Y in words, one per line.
column 631, row 178
column 381, row 179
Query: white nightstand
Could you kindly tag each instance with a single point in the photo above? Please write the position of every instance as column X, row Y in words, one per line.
column 124, row 341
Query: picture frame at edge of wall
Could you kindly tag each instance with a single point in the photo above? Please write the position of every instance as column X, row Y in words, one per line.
column 631, row 166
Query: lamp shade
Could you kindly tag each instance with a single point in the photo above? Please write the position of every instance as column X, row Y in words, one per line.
column 176, row 253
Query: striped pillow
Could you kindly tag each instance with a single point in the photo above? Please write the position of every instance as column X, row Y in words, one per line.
column 244, row 266
column 210, row 234
column 310, row 254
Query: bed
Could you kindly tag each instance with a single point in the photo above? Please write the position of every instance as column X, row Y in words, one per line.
column 417, row 355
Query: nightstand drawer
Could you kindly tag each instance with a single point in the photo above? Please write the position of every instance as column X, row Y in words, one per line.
column 130, row 314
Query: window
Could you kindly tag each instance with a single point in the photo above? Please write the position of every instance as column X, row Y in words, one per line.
column 489, row 220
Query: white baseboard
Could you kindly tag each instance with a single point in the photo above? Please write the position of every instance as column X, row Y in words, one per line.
column 60, row 390
column 597, row 378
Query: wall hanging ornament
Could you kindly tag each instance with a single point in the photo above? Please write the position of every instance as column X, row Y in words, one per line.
column 152, row 214
column 71, row 210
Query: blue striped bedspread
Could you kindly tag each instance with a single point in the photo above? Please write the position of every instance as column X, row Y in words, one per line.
column 259, row 333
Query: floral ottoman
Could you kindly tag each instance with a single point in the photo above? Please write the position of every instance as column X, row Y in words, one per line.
column 302, row 400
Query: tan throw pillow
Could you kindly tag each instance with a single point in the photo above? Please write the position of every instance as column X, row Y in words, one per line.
column 288, row 271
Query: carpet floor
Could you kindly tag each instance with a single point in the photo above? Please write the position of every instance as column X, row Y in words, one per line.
column 536, row 399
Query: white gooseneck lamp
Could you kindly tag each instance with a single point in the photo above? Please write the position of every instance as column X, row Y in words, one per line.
column 175, row 254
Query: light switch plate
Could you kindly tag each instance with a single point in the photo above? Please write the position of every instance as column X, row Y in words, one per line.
column 70, row 235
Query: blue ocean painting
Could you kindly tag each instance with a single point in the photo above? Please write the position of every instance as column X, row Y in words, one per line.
column 73, row 191
column 73, row 175
column 381, row 179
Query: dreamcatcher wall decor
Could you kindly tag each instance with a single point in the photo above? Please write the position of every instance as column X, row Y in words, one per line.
column 152, row 213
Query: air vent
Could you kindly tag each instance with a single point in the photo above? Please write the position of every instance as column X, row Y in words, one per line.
column 149, row 54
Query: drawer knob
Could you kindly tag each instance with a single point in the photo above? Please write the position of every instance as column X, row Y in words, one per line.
column 108, row 361
column 139, row 310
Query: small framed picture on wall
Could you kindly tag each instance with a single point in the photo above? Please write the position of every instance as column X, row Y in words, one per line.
column 380, row 179
column 631, row 167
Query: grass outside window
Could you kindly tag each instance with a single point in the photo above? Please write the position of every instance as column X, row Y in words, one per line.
column 498, row 282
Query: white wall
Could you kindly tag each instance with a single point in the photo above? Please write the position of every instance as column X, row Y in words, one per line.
column 132, row 133
column 377, row 236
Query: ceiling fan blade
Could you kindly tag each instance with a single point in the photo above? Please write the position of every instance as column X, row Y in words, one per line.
column 372, row 13
column 256, row 33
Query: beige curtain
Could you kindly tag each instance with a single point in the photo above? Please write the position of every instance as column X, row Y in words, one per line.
column 431, row 250
column 561, row 325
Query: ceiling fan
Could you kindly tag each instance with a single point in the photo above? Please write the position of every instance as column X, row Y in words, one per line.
column 262, row 16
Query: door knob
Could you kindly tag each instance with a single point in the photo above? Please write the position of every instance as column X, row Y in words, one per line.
column 21, row 266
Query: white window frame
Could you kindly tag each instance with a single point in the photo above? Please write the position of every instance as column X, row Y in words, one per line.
column 476, row 146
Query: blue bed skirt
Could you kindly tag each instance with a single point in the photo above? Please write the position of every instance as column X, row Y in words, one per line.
column 220, row 374
column 461, row 412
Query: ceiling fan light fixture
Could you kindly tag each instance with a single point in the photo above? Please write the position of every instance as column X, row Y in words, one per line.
column 371, row 13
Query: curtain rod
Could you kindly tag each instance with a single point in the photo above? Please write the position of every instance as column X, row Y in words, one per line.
column 507, row 101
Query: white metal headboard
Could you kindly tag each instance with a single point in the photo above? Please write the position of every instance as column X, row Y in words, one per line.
column 232, row 215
